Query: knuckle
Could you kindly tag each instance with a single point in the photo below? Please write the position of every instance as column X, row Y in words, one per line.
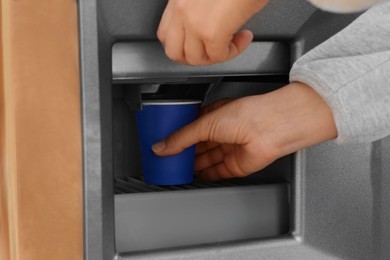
column 194, row 61
column 210, row 126
column 240, row 173
column 180, row 6
column 191, row 60
column 203, row 129
column 173, row 55
column 217, row 57
column 235, row 167
column 209, row 35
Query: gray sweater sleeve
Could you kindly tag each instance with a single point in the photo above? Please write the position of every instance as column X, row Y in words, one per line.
column 351, row 71
column 345, row 6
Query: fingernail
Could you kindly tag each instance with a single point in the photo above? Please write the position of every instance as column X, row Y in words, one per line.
column 158, row 147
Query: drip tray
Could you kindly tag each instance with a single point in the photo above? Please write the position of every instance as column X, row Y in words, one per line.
column 136, row 185
column 151, row 217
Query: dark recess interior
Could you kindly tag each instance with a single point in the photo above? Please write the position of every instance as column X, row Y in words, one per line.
column 127, row 166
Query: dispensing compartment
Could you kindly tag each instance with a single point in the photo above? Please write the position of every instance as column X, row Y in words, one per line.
column 150, row 217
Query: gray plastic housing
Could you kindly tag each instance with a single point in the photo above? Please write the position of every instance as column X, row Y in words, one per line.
column 132, row 61
column 339, row 194
column 155, row 220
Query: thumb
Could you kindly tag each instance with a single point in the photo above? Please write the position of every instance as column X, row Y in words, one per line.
column 182, row 138
column 240, row 42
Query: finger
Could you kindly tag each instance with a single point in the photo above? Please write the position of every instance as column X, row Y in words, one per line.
column 194, row 51
column 174, row 44
column 217, row 50
column 215, row 105
column 220, row 51
column 165, row 21
column 216, row 126
column 240, row 42
column 208, row 159
column 185, row 137
column 216, row 173
column 205, row 146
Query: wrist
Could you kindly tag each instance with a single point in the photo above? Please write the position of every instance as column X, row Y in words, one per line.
column 303, row 119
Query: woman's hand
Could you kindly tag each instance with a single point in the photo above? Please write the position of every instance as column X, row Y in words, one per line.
column 237, row 138
column 200, row 32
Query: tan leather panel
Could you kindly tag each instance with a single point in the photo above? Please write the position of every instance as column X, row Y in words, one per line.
column 42, row 131
column 4, row 231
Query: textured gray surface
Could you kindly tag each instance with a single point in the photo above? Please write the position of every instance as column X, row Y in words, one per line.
column 338, row 200
column 95, row 66
column 147, row 221
column 136, row 60
column 97, row 206
column 319, row 27
column 280, row 19
column 138, row 19
column 381, row 195
column 271, row 249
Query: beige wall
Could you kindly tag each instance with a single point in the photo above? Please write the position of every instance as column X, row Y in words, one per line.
column 40, row 131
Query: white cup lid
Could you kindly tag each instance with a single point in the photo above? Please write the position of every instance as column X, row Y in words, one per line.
column 171, row 102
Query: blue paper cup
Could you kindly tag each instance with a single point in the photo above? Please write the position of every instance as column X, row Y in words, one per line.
column 156, row 121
